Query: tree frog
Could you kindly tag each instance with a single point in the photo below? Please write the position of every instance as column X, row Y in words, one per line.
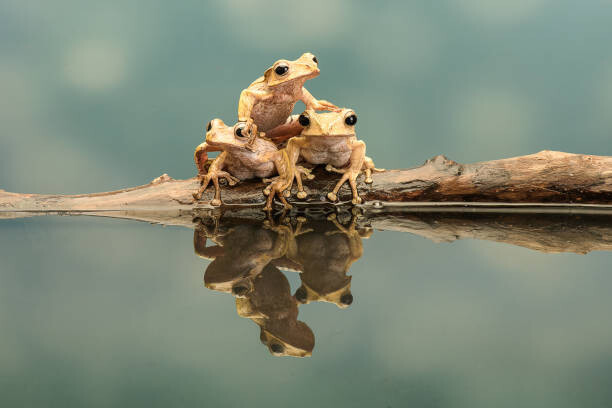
column 329, row 138
column 269, row 100
column 244, row 156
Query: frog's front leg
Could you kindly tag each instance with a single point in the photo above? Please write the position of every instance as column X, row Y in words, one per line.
column 317, row 104
column 214, row 172
column 200, row 156
column 293, row 152
column 350, row 173
column 279, row 184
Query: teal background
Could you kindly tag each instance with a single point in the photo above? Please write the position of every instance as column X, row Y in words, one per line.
column 102, row 95
column 98, row 96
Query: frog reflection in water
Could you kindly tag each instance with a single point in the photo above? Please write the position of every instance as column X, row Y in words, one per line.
column 329, row 138
column 246, row 262
column 268, row 102
column 326, row 255
column 245, row 156
column 244, row 266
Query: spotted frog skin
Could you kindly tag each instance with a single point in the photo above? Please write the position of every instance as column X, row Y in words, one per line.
column 329, row 138
column 244, row 156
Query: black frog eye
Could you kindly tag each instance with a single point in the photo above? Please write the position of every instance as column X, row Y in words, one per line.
column 209, row 126
column 316, row 61
column 304, row 121
column 238, row 131
column 281, row 69
column 346, row 299
column 239, row 290
column 277, row 348
column 351, row 120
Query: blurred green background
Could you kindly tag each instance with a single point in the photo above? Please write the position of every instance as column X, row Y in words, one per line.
column 103, row 95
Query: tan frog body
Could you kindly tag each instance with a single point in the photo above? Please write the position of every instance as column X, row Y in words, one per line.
column 269, row 100
column 329, row 138
column 244, row 156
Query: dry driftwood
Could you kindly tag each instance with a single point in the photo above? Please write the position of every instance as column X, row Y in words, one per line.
column 440, row 200
column 544, row 177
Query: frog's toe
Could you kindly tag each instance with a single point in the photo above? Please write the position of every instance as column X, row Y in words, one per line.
column 215, row 202
column 301, row 195
column 356, row 200
column 368, row 180
column 266, row 191
column 329, row 167
column 332, row 196
column 287, row 193
column 310, row 176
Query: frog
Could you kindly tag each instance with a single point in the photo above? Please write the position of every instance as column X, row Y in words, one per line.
column 244, row 155
column 326, row 255
column 269, row 101
column 329, row 138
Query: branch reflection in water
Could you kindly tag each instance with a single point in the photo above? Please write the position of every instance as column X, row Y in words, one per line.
column 247, row 263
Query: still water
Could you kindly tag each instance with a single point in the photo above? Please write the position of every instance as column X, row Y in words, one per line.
column 107, row 312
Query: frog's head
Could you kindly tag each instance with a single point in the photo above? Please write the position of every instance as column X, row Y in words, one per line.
column 341, row 297
column 284, row 71
column 224, row 137
column 287, row 337
column 328, row 123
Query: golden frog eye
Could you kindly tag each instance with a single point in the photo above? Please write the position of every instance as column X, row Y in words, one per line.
column 209, row 126
column 316, row 61
column 281, row 70
column 304, row 121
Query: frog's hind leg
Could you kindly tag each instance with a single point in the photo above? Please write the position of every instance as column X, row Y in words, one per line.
column 350, row 173
column 368, row 168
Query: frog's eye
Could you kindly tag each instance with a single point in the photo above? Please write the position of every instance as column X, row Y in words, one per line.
column 351, row 120
column 281, row 69
column 277, row 348
column 304, row 121
column 238, row 131
column 301, row 295
column 209, row 126
column 316, row 61
column 346, row 299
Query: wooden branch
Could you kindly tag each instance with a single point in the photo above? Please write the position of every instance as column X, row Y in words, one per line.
column 545, row 177
column 440, row 200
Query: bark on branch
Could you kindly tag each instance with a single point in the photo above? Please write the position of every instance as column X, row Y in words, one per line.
column 544, row 177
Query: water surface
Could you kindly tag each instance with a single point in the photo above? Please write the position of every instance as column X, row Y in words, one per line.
column 103, row 312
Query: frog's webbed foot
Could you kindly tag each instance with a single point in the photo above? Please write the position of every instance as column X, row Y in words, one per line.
column 266, row 191
column 278, row 187
column 214, row 175
column 349, row 174
column 368, row 168
column 299, row 171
